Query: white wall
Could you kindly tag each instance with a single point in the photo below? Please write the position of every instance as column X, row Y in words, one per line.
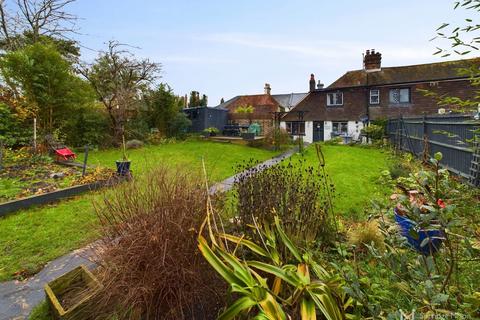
column 327, row 130
column 354, row 128
column 308, row 132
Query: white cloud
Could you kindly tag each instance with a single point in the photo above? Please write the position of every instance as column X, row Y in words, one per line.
column 329, row 52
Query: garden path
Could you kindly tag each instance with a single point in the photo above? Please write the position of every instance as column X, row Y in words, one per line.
column 17, row 298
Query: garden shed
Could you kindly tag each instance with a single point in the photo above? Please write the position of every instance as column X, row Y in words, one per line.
column 206, row 117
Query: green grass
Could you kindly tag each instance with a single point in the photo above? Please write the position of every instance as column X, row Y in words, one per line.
column 31, row 238
column 220, row 158
column 9, row 188
column 40, row 312
column 355, row 172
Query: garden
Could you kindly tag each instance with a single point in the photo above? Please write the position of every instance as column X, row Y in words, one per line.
column 330, row 232
column 297, row 240
column 32, row 237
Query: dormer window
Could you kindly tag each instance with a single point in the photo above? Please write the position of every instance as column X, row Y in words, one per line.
column 335, row 99
column 374, row 96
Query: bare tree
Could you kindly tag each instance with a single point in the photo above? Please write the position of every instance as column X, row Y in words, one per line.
column 118, row 79
column 36, row 18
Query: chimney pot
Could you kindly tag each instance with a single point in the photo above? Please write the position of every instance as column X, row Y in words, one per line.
column 372, row 60
column 312, row 82
column 320, row 85
column 267, row 88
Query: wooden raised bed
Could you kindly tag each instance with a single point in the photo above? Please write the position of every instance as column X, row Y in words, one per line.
column 69, row 296
column 24, row 203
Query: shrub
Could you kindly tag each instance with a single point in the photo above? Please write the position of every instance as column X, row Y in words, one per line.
column 12, row 131
column 179, row 125
column 277, row 138
column 334, row 141
column 300, row 195
column 374, row 132
column 149, row 263
column 366, row 233
column 212, row 131
column 134, row 144
column 398, row 169
column 137, row 128
column 89, row 126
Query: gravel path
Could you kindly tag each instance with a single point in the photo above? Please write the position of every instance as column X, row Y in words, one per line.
column 17, row 298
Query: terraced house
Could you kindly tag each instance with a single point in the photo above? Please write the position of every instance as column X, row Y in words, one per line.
column 373, row 93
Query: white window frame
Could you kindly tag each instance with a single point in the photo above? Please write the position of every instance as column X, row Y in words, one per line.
column 340, row 125
column 335, row 103
column 375, row 93
column 399, row 102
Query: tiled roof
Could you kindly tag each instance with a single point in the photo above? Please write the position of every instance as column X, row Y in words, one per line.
column 289, row 100
column 226, row 103
column 405, row 74
column 264, row 105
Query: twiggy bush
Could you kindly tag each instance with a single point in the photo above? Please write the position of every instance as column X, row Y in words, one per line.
column 300, row 195
column 149, row 263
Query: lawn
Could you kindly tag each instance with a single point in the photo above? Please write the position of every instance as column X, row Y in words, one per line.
column 355, row 172
column 31, row 238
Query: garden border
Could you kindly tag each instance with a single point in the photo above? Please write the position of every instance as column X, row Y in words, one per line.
column 54, row 196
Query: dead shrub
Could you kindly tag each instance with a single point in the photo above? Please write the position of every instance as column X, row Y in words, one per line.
column 366, row 233
column 149, row 263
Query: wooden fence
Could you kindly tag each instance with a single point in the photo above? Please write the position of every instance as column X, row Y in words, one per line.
column 452, row 135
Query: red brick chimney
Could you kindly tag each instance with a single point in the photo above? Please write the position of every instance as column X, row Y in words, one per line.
column 312, row 82
column 372, row 61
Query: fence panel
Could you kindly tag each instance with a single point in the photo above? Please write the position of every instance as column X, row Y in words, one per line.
column 451, row 135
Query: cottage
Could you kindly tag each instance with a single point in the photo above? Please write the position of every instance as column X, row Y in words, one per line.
column 373, row 93
column 265, row 107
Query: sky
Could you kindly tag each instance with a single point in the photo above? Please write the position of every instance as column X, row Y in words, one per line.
column 228, row 48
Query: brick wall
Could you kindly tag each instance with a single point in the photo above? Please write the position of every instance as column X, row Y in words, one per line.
column 420, row 103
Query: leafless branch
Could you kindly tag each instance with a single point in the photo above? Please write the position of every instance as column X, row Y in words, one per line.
column 37, row 17
column 118, row 77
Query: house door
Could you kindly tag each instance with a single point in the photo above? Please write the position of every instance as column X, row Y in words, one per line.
column 318, row 131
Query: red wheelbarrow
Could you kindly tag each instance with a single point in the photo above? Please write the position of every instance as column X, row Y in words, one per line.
column 65, row 154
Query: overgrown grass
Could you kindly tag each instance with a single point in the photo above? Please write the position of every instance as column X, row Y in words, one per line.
column 355, row 172
column 31, row 238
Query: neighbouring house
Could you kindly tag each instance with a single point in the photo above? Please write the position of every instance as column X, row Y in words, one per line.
column 265, row 107
column 374, row 93
column 206, row 117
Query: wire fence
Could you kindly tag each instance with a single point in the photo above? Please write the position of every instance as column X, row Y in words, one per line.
column 452, row 135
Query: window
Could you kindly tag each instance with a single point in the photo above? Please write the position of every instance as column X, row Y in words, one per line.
column 374, row 96
column 296, row 128
column 335, row 99
column 398, row 96
column 339, row 127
